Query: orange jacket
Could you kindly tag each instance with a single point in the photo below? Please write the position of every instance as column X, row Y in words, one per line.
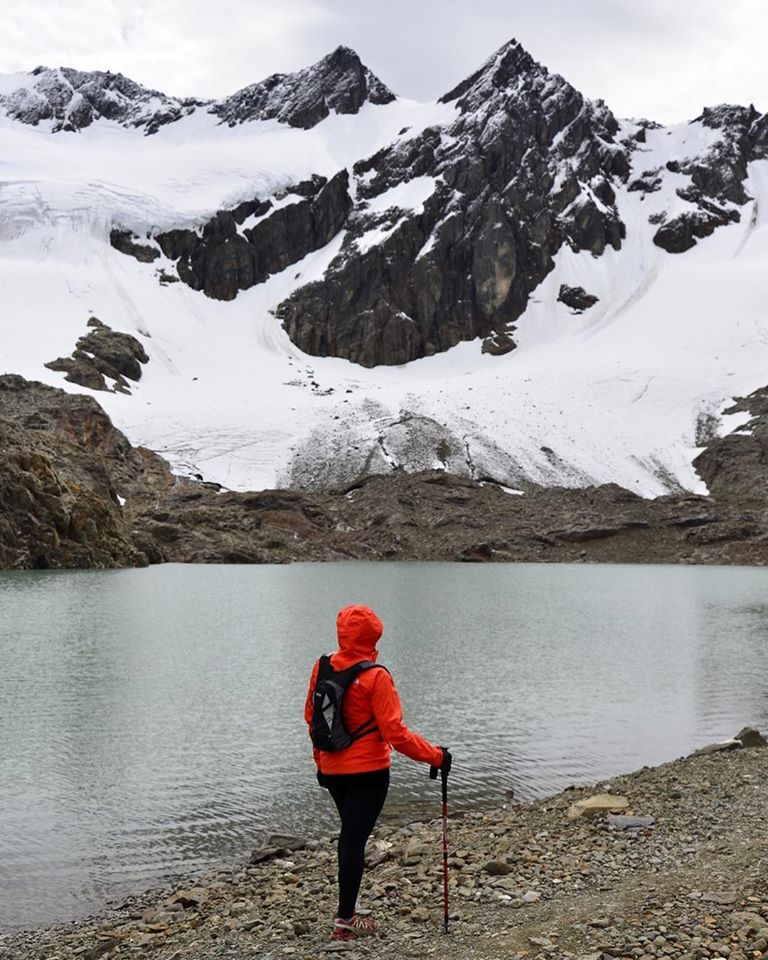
column 371, row 695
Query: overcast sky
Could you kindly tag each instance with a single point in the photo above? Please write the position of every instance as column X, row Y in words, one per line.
column 662, row 59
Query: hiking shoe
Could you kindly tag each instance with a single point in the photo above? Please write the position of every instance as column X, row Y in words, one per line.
column 351, row 929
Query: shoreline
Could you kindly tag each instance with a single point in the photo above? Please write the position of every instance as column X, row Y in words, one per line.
column 526, row 881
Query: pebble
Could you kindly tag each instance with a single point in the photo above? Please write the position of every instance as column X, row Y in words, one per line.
column 690, row 889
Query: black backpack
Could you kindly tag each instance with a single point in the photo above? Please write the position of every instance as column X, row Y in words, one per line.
column 328, row 731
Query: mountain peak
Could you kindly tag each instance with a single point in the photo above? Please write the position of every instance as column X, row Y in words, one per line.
column 510, row 62
column 339, row 81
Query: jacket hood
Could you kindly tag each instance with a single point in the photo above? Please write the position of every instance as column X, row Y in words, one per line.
column 358, row 630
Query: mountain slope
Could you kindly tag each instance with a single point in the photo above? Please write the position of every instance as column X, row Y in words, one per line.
column 501, row 266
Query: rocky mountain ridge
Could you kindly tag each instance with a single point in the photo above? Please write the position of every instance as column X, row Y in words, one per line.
column 74, row 99
column 447, row 233
column 339, row 82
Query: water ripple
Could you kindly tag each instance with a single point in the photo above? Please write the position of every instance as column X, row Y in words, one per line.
column 181, row 688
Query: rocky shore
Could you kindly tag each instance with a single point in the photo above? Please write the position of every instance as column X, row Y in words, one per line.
column 669, row 862
column 76, row 493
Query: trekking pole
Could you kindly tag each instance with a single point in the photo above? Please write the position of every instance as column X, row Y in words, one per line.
column 445, row 851
column 444, row 776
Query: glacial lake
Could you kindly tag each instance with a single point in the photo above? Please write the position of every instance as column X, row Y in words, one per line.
column 151, row 721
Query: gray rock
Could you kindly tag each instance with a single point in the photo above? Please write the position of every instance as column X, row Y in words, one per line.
column 724, row 897
column 285, row 841
column 620, row 822
column 531, row 896
column 751, row 737
column 722, row 746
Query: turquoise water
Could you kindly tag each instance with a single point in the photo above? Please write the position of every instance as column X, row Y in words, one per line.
column 152, row 721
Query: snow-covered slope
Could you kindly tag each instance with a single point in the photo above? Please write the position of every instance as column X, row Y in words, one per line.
column 623, row 391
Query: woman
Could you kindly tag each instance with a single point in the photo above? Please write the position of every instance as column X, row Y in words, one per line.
column 357, row 776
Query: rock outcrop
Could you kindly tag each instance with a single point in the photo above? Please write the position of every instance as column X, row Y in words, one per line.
column 717, row 176
column 103, row 353
column 735, row 466
column 239, row 248
column 576, row 298
column 62, row 464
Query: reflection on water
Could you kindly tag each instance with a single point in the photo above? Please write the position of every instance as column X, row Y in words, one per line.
column 152, row 719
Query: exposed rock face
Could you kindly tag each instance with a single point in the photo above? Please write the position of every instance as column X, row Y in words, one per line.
column 338, row 82
column 103, row 353
column 717, row 176
column 681, row 233
column 61, row 464
column 244, row 246
column 125, row 242
column 526, row 166
column 735, row 467
column 73, row 99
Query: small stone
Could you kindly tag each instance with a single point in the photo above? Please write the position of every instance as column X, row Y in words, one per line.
column 542, row 942
column 620, row 822
column 188, row 899
column 420, row 913
column 724, row 897
column 601, row 803
column 532, row 896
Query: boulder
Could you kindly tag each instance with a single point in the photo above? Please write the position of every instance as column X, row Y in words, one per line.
column 100, row 353
column 751, row 737
column 576, row 298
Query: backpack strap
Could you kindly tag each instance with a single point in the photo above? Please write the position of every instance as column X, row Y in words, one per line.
column 369, row 726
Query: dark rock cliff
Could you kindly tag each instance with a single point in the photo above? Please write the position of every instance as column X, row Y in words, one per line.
column 526, row 166
column 227, row 254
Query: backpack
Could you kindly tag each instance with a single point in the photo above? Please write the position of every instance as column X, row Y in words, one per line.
column 328, row 731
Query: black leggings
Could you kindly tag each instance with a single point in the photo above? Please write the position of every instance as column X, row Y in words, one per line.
column 359, row 798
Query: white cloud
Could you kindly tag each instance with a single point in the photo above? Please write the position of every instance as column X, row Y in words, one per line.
column 658, row 59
